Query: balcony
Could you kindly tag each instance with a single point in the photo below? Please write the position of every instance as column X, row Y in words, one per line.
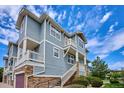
column 29, row 58
column 70, row 42
column 8, row 70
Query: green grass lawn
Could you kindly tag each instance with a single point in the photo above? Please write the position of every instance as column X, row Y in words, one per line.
column 116, row 85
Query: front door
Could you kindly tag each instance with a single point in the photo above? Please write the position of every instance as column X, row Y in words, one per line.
column 20, row 80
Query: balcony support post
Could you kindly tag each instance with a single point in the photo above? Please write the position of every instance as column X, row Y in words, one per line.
column 85, row 66
column 24, row 47
column 77, row 62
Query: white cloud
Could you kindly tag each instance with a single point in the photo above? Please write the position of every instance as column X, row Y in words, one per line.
column 4, row 41
column 111, row 28
column 122, row 52
column 106, row 17
column 104, row 47
column 102, row 56
column 80, row 26
column 33, row 10
column 45, row 9
column 12, row 10
column 93, row 43
column 64, row 15
column 9, row 35
column 117, row 65
column 61, row 16
column 92, row 20
column 113, row 43
column 79, row 14
column 51, row 12
column 69, row 21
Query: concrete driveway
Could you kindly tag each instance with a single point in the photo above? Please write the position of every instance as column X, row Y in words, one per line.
column 2, row 85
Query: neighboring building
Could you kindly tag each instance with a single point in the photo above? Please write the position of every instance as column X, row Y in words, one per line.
column 9, row 61
column 47, row 56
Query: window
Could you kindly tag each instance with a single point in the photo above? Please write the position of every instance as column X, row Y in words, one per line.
column 81, row 44
column 55, row 33
column 56, row 52
column 70, row 58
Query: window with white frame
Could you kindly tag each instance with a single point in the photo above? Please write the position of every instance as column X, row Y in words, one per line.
column 55, row 33
column 81, row 43
column 56, row 52
column 70, row 59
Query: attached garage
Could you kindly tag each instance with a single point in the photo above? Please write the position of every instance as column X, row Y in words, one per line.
column 20, row 80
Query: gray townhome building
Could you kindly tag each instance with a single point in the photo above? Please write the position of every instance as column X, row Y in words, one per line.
column 45, row 55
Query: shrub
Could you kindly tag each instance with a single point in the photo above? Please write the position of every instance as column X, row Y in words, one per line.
column 117, row 85
column 81, row 80
column 114, row 81
column 115, row 75
column 95, row 81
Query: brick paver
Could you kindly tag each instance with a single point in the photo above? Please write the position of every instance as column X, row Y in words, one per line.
column 2, row 85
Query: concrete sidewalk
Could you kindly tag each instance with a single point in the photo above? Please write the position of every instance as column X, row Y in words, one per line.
column 2, row 85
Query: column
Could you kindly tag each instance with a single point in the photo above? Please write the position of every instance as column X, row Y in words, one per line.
column 77, row 61
column 85, row 66
column 24, row 47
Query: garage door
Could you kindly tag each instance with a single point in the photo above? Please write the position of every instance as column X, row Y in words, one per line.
column 20, row 80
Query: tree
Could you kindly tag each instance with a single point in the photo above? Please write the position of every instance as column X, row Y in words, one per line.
column 1, row 74
column 99, row 68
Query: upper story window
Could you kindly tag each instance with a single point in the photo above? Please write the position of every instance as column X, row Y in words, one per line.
column 55, row 33
column 81, row 43
column 56, row 52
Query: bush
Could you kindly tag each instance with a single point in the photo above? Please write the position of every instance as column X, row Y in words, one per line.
column 114, row 81
column 95, row 81
column 81, row 80
column 117, row 85
column 115, row 75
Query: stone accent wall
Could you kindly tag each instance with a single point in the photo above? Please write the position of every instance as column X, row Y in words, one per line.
column 42, row 82
column 28, row 70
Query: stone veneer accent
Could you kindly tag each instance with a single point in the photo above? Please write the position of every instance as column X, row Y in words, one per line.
column 28, row 70
column 42, row 82
column 36, row 81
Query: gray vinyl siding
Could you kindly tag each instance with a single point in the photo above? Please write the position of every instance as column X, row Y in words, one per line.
column 53, row 39
column 33, row 29
column 53, row 65
column 22, row 34
column 41, row 31
column 14, row 50
column 41, row 49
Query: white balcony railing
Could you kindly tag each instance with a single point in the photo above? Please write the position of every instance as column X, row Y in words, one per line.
column 68, row 74
column 70, row 42
column 29, row 56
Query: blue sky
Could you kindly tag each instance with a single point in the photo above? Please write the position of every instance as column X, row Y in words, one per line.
column 103, row 27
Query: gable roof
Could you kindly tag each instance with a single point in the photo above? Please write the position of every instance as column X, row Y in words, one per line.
column 40, row 19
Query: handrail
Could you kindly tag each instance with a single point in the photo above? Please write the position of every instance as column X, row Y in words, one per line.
column 49, row 83
column 70, row 72
column 70, row 42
